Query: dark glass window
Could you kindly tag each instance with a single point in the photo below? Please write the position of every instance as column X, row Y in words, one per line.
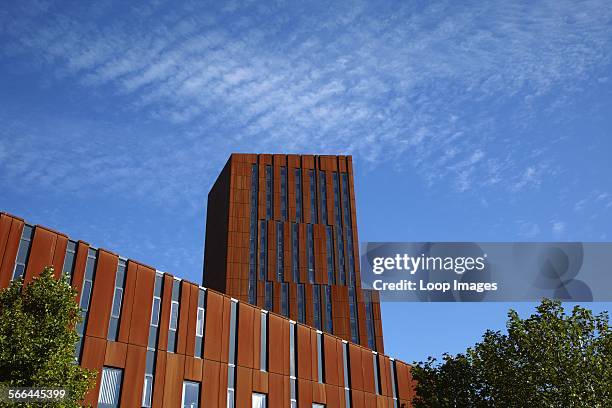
column 174, row 315
column 329, row 321
column 349, row 228
column 376, row 374
column 113, row 327
column 320, row 359
column 269, row 193
column 313, row 196
column 316, row 302
column 347, row 377
column 200, row 322
column 310, row 252
column 353, row 315
column 269, row 296
column 280, row 252
column 338, row 224
column 285, row 299
column 298, row 195
column 90, row 272
column 301, row 306
column 283, row 193
column 110, row 387
column 23, row 252
column 253, row 235
column 263, row 250
column 295, row 253
column 367, row 294
column 323, row 194
column 68, row 268
column 155, row 310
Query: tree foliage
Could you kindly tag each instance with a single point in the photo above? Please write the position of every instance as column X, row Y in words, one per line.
column 550, row 359
column 38, row 337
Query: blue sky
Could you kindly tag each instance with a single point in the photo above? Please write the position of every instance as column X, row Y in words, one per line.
column 484, row 121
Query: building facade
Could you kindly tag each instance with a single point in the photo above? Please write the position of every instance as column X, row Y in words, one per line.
column 160, row 341
column 281, row 233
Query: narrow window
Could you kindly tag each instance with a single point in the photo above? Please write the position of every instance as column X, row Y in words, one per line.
column 259, row 400
column 113, row 326
column 191, row 394
column 353, row 315
column 367, row 294
column 155, row 310
column 313, row 196
column 253, row 235
column 263, row 363
column 90, row 271
column 269, row 193
column 285, row 299
column 298, row 195
column 301, row 306
column 174, row 315
column 201, row 316
column 320, row 358
column 231, row 365
column 283, row 193
column 269, row 300
column 338, row 225
column 376, row 373
column 329, row 247
column 295, row 253
column 292, row 366
column 310, row 252
column 316, row 302
column 68, row 267
column 280, row 252
column 147, row 387
column 348, row 229
column 110, row 387
column 329, row 321
column 346, row 365
column 263, row 250
column 323, row 195
column 23, row 252
column 316, row 405
column 394, row 383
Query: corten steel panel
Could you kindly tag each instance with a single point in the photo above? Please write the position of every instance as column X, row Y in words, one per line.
column 11, row 247
column 303, row 353
column 361, row 320
column 357, row 399
column 173, row 381
column 127, row 303
column 5, row 228
column 278, row 341
column 115, row 354
column 332, row 396
column 318, row 393
column 314, row 355
column 217, row 220
column 102, row 295
column 333, row 360
column 367, row 370
column 133, row 376
column 246, row 335
column 225, row 329
column 193, row 368
column 93, row 359
column 159, row 380
column 355, row 367
column 78, row 275
column 164, row 317
column 271, row 251
column 213, row 328
column 309, row 304
column 183, row 317
column 214, row 386
column 304, row 393
column 141, row 312
column 60, row 253
column 278, row 394
column 41, row 252
column 260, row 381
column 404, row 380
column 244, row 386
column 385, row 375
column 192, row 317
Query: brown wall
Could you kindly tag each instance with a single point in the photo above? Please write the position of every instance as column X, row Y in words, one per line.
column 129, row 352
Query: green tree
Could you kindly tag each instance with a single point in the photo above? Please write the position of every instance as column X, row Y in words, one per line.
column 551, row 359
column 38, row 337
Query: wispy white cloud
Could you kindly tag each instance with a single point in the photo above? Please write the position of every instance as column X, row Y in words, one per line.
column 528, row 229
column 380, row 83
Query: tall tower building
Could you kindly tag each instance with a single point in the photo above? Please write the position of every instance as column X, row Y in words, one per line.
column 281, row 233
